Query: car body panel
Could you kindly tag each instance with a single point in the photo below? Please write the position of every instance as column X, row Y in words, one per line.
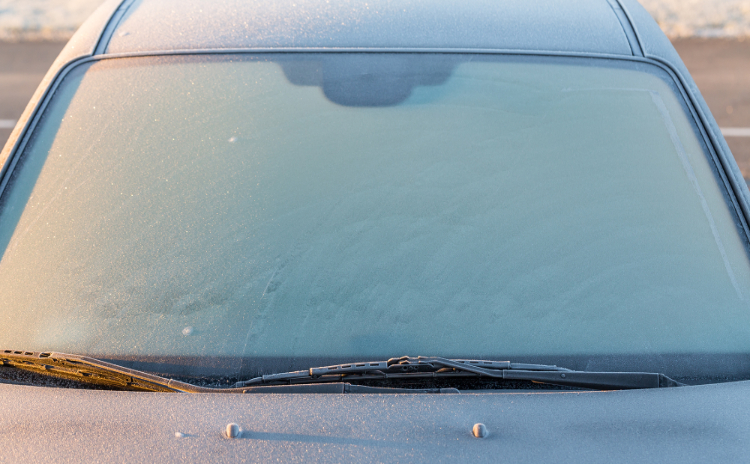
column 691, row 424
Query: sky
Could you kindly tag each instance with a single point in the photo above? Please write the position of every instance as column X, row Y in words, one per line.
column 58, row 19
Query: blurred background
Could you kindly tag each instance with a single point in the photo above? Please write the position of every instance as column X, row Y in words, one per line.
column 712, row 36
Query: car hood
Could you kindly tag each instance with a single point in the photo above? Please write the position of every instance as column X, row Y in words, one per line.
column 689, row 424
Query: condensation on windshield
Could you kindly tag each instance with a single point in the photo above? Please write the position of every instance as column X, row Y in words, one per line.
column 204, row 207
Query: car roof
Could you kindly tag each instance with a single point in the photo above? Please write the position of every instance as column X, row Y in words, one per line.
column 590, row 26
column 618, row 28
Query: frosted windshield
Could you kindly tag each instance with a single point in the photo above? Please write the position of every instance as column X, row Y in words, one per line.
column 234, row 208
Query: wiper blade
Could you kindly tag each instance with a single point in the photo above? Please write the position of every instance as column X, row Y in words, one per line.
column 421, row 367
column 93, row 371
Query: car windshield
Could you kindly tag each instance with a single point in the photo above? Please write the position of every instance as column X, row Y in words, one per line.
column 240, row 214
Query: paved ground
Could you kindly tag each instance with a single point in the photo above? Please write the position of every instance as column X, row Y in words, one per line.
column 720, row 67
column 22, row 67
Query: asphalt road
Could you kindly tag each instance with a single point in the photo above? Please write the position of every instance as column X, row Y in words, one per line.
column 22, row 67
column 721, row 69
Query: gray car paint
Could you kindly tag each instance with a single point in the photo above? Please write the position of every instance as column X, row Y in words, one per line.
column 589, row 26
column 690, row 424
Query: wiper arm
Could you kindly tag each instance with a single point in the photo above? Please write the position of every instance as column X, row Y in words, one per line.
column 420, row 367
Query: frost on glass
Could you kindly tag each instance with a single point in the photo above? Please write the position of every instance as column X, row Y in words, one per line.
column 188, row 207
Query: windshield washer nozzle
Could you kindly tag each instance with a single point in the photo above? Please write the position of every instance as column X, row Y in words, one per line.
column 480, row 430
column 232, row 430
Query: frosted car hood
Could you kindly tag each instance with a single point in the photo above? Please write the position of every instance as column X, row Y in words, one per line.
column 689, row 424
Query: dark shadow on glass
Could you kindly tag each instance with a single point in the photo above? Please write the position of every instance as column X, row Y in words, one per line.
column 368, row 79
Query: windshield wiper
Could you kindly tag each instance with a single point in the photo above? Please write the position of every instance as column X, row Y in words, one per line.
column 331, row 379
column 92, row 371
column 422, row 367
